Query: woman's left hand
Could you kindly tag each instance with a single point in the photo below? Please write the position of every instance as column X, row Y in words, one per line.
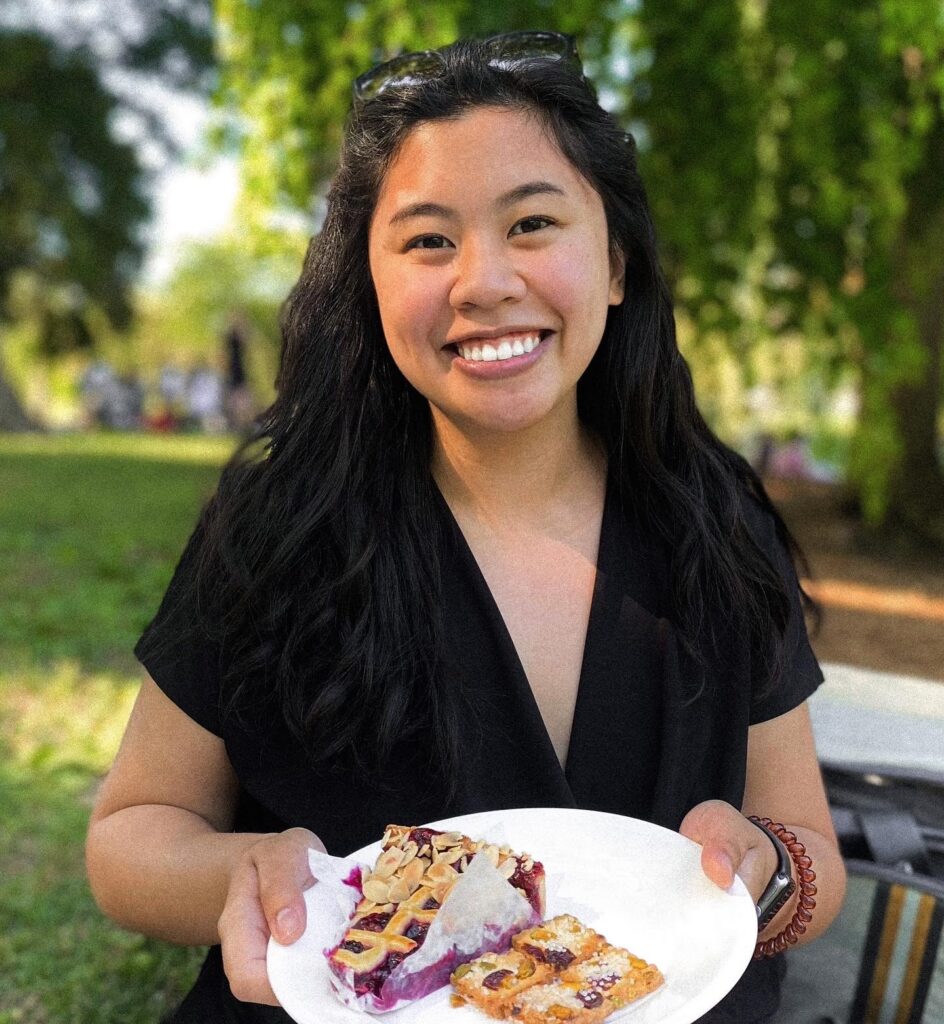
column 730, row 845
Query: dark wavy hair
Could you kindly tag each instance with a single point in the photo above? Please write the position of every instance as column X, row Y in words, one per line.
column 319, row 551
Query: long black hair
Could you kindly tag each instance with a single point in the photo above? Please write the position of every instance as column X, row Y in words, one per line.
column 319, row 550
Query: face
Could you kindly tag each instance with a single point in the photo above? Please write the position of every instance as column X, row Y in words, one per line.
column 490, row 258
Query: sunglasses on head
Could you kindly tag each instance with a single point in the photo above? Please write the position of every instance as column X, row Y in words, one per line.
column 505, row 51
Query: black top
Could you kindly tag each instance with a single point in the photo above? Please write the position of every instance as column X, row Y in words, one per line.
column 642, row 744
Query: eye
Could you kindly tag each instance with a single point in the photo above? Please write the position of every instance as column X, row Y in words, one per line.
column 530, row 224
column 428, row 242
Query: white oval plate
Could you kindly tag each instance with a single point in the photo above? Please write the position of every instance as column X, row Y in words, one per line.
column 638, row 884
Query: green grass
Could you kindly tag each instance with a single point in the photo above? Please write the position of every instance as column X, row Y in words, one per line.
column 90, row 530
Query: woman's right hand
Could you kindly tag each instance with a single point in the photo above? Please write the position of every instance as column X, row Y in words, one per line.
column 264, row 898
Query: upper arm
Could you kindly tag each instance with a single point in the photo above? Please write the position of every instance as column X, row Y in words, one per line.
column 783, row 775
column 166, row 758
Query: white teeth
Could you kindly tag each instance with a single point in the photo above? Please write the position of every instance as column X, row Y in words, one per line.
column 505, row 350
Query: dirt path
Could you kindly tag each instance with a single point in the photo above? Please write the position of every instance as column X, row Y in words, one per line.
column 881, row 610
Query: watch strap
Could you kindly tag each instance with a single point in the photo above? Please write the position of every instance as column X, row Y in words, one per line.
column 781, row 885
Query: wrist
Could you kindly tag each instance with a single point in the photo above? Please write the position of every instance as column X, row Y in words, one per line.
column 779, row 886
column 779, row 891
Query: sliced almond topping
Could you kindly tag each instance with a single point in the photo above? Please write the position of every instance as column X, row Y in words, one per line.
column 364, row 908
column 490, row 852
column 399, row 891
column 410, row 850
column 528, row 864
column 507, row 867
column 413, row 873
column 424, row 850
column 441, row 892
column 464, row 863
column 449, row 856
column 446, row 840
column 388, row 862
column 442, row 873
column 377, row 890
column 388, row 908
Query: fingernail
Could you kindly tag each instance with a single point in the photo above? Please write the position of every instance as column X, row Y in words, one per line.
column 287, row 924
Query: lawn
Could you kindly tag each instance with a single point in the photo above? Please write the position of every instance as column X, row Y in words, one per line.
column 90, row 529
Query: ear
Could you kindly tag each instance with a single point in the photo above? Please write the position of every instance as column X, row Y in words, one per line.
column 617, row 278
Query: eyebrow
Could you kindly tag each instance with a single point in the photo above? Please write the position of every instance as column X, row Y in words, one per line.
column 530, row 188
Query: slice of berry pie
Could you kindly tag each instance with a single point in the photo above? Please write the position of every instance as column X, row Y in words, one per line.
column 401, row 898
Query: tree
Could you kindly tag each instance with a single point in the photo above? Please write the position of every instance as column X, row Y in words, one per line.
column 792, row 155
column 72, row 189
column 287, row 69
column 834, row 213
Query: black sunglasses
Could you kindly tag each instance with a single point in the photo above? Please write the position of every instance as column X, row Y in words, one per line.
column 504, row 51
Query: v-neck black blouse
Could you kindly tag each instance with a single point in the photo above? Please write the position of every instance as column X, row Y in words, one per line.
column 646, row 740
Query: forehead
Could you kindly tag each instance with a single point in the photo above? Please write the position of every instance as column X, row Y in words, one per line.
column 477, row 156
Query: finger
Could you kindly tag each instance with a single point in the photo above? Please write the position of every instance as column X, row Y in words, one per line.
column 283, row 874
column 244, row 939
column 726, row 838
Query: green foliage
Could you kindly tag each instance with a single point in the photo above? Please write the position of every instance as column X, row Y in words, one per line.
column 90, row 530
column 288, row 66
column 792, row 155
column 70, row 203
column 73, row 195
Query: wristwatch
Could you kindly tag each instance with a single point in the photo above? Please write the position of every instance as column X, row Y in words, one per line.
column 781, row 885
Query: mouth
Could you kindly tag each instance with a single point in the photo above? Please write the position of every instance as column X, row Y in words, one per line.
column 501, row 348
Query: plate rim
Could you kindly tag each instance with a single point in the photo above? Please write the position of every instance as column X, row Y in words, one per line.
column 709, row 996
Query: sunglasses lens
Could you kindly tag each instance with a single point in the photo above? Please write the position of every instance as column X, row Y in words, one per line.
column 524, row 45
column 507, row 52
column 405, row 70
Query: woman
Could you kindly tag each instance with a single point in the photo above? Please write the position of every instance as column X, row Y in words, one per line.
column 491, row 556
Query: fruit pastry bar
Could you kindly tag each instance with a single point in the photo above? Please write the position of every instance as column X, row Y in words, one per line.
column 401, row 899
column 575, row 975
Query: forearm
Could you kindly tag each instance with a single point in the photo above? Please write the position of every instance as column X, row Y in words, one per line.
column 163, row 871
column 827, row 863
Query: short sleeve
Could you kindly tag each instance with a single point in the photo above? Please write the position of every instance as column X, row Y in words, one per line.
column 801, row 674
column 177, row 649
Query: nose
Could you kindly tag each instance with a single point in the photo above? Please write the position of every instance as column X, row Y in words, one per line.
column 485, row 277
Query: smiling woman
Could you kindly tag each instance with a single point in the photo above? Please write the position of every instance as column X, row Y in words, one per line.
column 463, row 276
column 487, row 556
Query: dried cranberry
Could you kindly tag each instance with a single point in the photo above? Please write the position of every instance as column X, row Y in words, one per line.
column 589, row 999
column 495, row 979
column 373, row 922
column 607, row 981
column 417, row 931
column 352, row 946
column 559, row 957
column 536, row 952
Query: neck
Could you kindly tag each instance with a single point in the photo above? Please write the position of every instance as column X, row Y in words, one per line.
column 514, row 477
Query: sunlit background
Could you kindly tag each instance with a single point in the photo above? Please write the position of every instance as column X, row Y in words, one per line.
column 162, row 167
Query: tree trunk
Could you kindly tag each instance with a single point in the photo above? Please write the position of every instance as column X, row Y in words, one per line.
column 12, row 415
column 917, row 485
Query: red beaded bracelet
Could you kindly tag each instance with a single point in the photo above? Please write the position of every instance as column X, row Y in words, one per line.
column 806, row 904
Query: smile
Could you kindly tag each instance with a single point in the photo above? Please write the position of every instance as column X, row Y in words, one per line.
column 499, row 349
